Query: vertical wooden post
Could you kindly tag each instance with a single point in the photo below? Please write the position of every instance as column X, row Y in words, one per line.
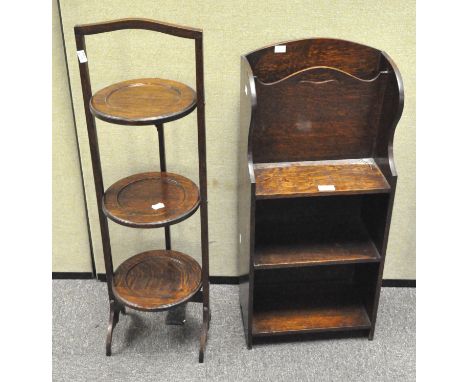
column 203, row 193
column 202, row 168
column 162, row 165
column 96, row 164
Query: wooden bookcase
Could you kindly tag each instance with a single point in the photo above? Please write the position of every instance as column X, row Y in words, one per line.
column 161, row 279
column 316, row 185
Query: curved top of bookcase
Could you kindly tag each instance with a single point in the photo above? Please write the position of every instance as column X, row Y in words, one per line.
column 322, row 99
column 274, row 62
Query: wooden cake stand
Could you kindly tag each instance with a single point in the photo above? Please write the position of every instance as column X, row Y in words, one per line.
column 155, row 280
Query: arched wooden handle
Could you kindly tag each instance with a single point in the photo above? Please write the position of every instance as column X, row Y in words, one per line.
column 138, row 23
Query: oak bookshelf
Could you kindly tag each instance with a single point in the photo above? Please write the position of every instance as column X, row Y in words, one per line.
column 316, row 185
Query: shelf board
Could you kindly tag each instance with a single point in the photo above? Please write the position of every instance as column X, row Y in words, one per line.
column 132, row 201
column 144, row 101
column 157, row 280
column 282, row 310
column 301, row 179
column 342, row 244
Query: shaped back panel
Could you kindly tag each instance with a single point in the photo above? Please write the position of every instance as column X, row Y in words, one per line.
column 356, row 59
column 320, row 100
column 316, row 114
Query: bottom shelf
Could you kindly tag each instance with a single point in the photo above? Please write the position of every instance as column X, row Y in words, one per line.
column 281, row 311
column 157, row 280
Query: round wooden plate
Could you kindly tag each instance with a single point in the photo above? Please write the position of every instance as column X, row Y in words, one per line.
column 144, row 101
column 151, row 200
column 157, row 280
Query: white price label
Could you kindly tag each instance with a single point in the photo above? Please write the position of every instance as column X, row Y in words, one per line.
column 81, row 56
column 157, row 206
column 280, row 49
column 326, row 187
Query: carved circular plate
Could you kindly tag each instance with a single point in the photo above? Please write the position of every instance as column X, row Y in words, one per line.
column 151, row 200
column 144, row 101
column 157, row 280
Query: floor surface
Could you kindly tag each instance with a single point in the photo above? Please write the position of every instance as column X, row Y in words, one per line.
column 145, row 349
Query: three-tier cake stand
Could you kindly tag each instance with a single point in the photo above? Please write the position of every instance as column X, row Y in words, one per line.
column 155, row 280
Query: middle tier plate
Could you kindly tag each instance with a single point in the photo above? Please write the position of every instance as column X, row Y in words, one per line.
column 151, row 200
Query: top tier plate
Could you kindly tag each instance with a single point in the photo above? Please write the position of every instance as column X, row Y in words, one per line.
column 144, row 101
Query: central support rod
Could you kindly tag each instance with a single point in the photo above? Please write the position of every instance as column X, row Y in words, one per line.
column 162, row 164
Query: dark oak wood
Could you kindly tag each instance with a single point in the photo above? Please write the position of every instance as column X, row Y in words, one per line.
column 130, row 201
column 96, row 164
column 114, row 313
column 297, row 232
column 321, row 245
column 139, row 23
column 139, row 102
column 144, row 101
column 288, row 180
column 202, row 171
column 317, row 112
column 357, row 59
column 280, row 311
column 246, row 201
column 162, row 165
column 157, row 280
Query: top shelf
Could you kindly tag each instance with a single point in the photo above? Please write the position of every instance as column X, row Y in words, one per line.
column 145, row 101
column 315, row 178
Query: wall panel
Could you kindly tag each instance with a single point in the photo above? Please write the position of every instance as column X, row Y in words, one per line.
column 231, row 29
column 70, row 241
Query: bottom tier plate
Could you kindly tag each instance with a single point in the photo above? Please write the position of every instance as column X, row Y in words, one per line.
column 157, row 280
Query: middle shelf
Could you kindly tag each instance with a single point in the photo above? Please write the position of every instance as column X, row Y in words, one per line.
column 297, row 232
column 346, row 242
column 151, row 200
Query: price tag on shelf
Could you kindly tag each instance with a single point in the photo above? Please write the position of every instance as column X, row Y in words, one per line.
column 326, row 187
column 280, row 49
column 157, row 206
column 81, row 56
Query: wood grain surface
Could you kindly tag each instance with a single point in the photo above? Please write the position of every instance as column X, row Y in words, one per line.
column 316, row 114
column 287, row 309
column 320, row 245
column 144, row 101
column 356, row 59
column 297, row 179
column 304, row 232
column 139, row 23
column 130, row 201
column 157, row 280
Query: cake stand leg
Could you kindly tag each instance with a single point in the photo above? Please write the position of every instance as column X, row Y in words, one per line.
column 176, row 316
column 113, row 319
column 204, row 333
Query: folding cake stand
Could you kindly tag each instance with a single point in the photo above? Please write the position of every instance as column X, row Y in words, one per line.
column 155, row 280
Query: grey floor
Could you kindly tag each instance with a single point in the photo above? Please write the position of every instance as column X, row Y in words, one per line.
column 145, row 349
